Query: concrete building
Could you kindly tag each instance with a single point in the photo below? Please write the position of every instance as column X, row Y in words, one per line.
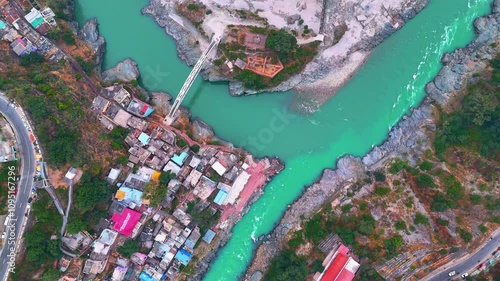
column 339, row 265
column 19, row 47
column 113, row 175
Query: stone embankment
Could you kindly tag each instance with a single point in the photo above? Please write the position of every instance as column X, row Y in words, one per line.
column 403, row 139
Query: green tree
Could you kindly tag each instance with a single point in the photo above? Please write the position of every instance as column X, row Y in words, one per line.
column 195, row 148
column 76, row 225
column 205, row 218
column 379, row 176
column 296, row 240
column 50, row 274
column 63, row 146
column 193, row 7
column 282, row 42
column 128, row 248
column 392, row 245
column 314, row 230
column 31, row 58
column 40, row 249
column 442, row 222
column 117, row 137
column 251, row 80
column 464, row 234
column 37, row 108
column 346, row 208
column 68, row 38
column 366, row 224
column 381, row 191
column 90, row 191
column 483, row 228
column 397, row 166
column 287, row 266
column 479, row 106
column 440, row 203
column 86, row 66
column 475, row 198
column 317, row 266
column 454, row 189
column 400, row 225
column 424, row 180
column 181, row 142
column 420, row 219
column 166, row 177
column 155, row 193
column 426, row 166
column 363, row 205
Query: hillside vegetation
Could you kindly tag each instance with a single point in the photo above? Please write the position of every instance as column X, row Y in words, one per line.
column 422, row 213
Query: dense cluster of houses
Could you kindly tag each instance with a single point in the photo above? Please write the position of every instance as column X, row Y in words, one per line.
column 210, row 178
column 28, row 35
column 116, row 107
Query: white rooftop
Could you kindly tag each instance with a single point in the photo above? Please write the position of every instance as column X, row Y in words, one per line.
column 217, row 166
column 114, row 173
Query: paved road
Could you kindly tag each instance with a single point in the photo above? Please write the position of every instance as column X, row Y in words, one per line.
column 472, row 261
column 27, row 156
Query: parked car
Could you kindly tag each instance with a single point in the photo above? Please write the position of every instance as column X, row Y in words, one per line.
column 452, row 273
column 465, row 275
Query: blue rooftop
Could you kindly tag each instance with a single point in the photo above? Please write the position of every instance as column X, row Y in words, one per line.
column 191, row 242
column 179, row 159
column 221, row 196
column 209, row 236
column 2, row 24
column 129, row 195
column 146, row 277
column 183, row 256
column 148, row 111
column 144, row 138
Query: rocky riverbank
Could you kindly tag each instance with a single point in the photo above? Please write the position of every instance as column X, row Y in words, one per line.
column 411, row 133
column 338, row 59
column 90, row 34
column 125, row 70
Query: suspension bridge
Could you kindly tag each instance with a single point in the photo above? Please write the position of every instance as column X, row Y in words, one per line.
column 169, row 119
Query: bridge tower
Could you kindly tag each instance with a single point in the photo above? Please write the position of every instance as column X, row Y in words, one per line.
column 169, row 119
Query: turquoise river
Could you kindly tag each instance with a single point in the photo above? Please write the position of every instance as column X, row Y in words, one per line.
column 355, row 119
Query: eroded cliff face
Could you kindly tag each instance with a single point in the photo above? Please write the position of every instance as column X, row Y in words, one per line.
column 90, row 34
column 407, row 140
column 349, row 30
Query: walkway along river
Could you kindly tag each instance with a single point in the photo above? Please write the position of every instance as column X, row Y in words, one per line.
column 357, row 118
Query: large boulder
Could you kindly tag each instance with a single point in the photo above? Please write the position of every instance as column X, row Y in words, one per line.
column 201, row 130
column 124, row 71
column 90, row 35
column 161, row 102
